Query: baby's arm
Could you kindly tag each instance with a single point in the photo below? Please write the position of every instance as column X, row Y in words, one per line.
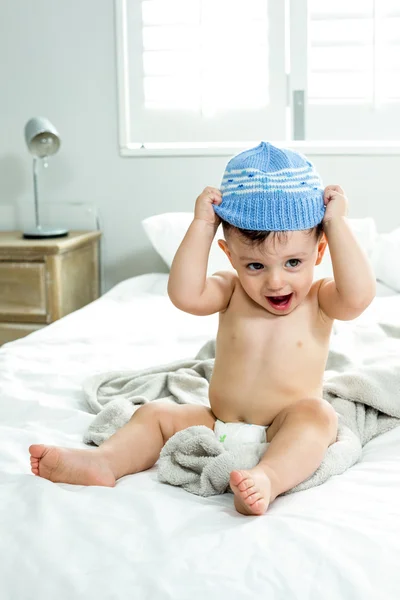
column 353, row 288
column 189, row 288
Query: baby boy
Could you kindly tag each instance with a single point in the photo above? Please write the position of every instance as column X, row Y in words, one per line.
column 274, row 329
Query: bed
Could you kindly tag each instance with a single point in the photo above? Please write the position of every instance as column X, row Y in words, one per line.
column 147, row 540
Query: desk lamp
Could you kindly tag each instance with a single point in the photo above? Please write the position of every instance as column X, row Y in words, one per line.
column 43, row 141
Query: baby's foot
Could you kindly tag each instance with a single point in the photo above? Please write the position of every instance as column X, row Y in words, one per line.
column 64, row 465
column 252, row 491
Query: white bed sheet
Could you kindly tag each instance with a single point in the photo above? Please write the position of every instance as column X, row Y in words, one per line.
column 145, row 540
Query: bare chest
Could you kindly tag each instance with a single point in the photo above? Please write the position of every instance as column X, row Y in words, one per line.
column 247, row 329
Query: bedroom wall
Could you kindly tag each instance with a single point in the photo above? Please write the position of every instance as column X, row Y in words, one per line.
column 58, row 60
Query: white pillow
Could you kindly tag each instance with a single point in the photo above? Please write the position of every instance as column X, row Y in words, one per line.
column 166, row 231
column 366, row 234
column 385, row 258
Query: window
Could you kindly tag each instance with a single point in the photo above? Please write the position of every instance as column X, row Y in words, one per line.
column 214, row 74
column 353, row 70
column 192, row 60
column 201, row 72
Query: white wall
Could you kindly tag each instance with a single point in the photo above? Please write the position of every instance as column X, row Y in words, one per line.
column 58, row 61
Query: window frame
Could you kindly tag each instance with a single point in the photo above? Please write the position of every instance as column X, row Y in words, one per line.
column 296, row 80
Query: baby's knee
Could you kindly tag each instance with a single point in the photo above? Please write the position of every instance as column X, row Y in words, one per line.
column 154, row 412
column 319, row 411
column 163, row 415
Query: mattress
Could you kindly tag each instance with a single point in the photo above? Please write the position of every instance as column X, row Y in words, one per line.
column 147, row 540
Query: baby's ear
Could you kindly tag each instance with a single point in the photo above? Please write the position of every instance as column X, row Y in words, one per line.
column 322, row 244
column 224, row 246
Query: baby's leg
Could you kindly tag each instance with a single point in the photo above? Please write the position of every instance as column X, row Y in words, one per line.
column 299, row 437
column 133, row 448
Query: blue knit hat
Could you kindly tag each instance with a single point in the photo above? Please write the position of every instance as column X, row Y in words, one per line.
column 271, row 189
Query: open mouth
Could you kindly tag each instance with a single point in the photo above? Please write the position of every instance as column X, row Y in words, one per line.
column 280, row 302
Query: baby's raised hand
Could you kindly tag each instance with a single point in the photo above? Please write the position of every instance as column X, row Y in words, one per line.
column 203, row 208
column 336, row 203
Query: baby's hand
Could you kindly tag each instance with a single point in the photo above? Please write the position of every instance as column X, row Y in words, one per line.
column 335, row 202
column 203, row 209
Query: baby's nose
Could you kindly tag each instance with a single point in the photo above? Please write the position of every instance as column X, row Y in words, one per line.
column 275, row 284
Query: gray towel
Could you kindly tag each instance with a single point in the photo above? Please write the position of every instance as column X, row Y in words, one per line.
column 116, row 395
column 362, row 382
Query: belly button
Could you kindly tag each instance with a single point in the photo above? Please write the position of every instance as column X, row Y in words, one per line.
column 299, row 344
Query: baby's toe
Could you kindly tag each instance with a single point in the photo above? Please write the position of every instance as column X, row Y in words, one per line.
column 253, row 498
column 249, row 492
column 259, row 507
column 236, row 478
column 246, row 484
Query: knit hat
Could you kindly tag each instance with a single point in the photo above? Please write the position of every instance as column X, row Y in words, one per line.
column 271, row 189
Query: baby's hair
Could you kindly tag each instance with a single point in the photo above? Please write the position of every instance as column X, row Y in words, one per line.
column 258, row 237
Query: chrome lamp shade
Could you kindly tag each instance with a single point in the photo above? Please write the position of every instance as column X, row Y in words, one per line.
column 43, row 141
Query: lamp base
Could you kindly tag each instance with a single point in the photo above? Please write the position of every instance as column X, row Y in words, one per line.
column 41, row 233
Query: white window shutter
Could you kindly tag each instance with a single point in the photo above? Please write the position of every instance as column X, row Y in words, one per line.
column 352, row 66
column 201, row 72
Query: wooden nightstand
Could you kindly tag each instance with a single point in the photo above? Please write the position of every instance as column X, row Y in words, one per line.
column 44, row 280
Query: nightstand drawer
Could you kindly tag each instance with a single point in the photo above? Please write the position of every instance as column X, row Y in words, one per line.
column 43, row 280
column 23, row 292
column 13, row 331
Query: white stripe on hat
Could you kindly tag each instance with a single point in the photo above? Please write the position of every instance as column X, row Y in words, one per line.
column 309, row 179
column 265, row 177
column 243, row 191
column 287, row 170
column 268, row 186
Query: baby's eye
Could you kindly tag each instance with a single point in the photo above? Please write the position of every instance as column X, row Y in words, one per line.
column 255, row 266
column 293, row 262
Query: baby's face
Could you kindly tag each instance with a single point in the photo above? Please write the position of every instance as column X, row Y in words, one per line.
column 277, row 274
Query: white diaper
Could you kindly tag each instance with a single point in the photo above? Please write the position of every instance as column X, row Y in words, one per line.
column 234, row 434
